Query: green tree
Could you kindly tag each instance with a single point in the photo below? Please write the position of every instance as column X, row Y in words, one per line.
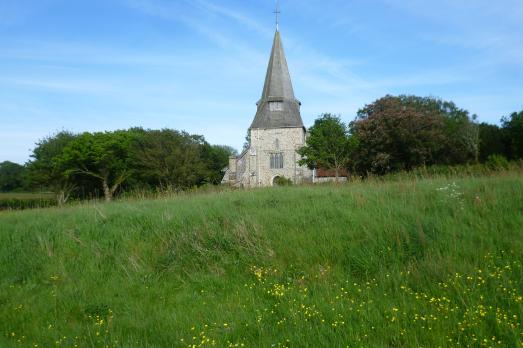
column 169, row 158
column 11, row 176
column 102, row 156
column 247, row 141
column 513, row 128
column 217, row 159
column 491, row 141
column 401, row 133
column 394, row 136
column 328, row 145
column 45, row 170
column 126, row 159
column 461, row 133
column 460, row 129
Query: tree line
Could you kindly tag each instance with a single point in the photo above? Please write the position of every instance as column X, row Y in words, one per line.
column 104, row 163
column 394, row 133
column 397, row 133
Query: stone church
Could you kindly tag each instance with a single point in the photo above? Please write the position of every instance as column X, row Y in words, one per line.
column 276, row 133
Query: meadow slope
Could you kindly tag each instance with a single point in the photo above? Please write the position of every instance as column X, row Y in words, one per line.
column 428, row 263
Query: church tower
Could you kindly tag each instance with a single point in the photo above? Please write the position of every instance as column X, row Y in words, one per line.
column 276, row 133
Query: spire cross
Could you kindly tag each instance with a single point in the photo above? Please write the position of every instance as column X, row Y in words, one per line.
column 277, row 12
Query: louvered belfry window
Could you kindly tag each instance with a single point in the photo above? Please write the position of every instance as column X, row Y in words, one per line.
column 276, row 160
column 276, row 106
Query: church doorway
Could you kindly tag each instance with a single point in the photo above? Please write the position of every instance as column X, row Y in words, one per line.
column 276, row 180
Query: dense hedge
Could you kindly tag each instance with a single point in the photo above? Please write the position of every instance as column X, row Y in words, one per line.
column 18, row 203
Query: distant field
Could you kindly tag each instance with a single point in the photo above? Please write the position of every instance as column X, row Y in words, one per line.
column 410, row 263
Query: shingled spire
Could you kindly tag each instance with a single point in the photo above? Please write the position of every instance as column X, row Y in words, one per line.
column 277, row 108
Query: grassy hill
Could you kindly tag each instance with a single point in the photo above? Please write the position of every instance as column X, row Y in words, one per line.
column 421, row 263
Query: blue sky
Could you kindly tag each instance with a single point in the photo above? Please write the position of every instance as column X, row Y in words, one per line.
column 199, row 65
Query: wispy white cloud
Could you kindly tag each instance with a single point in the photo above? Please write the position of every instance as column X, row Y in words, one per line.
column 177, row 11
column 211, row 87
column 235, row 15
column 309, row 59
column 493, row 29
column 339, row 76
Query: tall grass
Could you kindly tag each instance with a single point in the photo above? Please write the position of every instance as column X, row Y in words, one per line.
column 497, row 165
column 422, row 263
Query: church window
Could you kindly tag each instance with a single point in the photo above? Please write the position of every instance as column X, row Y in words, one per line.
column 276, row 106
column 276, row 160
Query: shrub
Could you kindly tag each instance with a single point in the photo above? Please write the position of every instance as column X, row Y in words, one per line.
column 282, row 181
column 497, row 162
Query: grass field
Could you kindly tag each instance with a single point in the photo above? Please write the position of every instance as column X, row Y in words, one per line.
column 417, row 263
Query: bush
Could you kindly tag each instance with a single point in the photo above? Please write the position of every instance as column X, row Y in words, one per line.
column 497, row 162
column 282, row 181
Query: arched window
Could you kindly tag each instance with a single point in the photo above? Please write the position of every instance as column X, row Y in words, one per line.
column 276, row 160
